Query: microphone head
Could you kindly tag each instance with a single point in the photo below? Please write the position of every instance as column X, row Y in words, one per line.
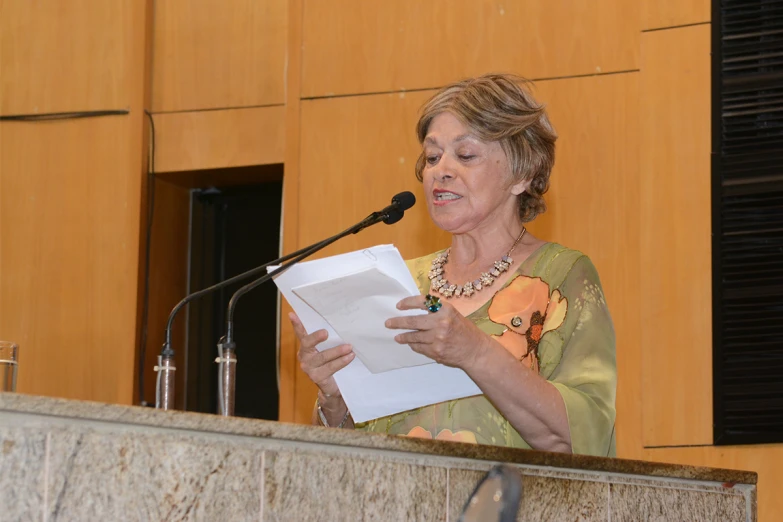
column 404, row 201
column 393, row 215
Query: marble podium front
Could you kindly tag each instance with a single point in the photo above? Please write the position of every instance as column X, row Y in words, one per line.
column 75, row 460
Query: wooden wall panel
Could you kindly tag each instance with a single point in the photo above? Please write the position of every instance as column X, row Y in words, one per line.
column 380, row 46
column 289, row 242
column 594, row 207
column 368, row 144
column 218, row 54
column 676, row 283
column 217, row 139
column 64, row 56
column 357, row 152
column 68, row 253
column 657, row 14
column 70, row 193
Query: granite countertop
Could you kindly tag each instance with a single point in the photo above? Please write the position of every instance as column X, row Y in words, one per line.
column 140, row 416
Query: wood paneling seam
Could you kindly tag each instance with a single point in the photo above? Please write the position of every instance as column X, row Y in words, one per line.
column 424, row 89
column 212, row 109
column 654, row 29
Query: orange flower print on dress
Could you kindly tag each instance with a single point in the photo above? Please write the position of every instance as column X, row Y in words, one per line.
column 419, row 433
column 457, row 436
column 445, row 434
column 517, row 345
column 528, row 311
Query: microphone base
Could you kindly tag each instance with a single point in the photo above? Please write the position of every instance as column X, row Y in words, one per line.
column 165, row 383
column 227, row 371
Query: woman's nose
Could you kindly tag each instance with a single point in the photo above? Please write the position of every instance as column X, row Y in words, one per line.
column 443, row 170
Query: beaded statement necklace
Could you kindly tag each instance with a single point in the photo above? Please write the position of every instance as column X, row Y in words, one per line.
column 444, row 288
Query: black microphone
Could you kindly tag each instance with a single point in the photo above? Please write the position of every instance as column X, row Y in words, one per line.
column 400, row 203
column 404, row 200
column 165, row 383
column 226, row 346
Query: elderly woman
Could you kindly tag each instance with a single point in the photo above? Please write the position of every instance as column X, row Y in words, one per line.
column 524, row 318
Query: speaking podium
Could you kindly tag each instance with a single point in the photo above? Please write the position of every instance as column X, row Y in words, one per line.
column 75, row 460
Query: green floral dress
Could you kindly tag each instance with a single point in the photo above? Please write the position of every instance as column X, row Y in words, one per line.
column 553, row 317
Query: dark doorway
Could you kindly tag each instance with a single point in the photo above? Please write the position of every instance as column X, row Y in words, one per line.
column 234, row 229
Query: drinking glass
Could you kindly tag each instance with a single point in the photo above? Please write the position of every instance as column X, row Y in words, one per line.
column 9, row 360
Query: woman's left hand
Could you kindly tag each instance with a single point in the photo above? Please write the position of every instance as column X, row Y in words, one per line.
column 445, row 336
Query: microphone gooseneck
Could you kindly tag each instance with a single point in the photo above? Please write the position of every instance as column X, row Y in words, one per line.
column 227, row 386
column 389, row 215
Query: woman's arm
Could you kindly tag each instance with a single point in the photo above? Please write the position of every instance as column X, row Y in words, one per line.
column 335, row 410
column 530, row 403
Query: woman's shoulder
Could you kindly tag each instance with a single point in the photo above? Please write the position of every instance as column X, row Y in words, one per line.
column 554, row 263
column 419, row 263
column 424, row 260
column 419, row 267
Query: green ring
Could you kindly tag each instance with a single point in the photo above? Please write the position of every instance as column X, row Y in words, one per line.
column 432, row 303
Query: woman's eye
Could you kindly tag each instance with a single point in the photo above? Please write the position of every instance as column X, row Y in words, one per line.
column 432, row 160
column 466, row 157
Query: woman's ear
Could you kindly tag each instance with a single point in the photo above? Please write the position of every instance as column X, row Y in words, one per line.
column 519, row 188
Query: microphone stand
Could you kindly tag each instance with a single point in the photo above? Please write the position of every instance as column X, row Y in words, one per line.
column 227, row 347
column 165, row 386
column 165, row 383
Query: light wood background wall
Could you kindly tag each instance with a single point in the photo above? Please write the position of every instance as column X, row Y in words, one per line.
column 331, row 89
column 71, row 193
column 73, row 205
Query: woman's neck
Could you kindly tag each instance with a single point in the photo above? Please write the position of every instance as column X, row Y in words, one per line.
column 477, row 249
column 472, row 254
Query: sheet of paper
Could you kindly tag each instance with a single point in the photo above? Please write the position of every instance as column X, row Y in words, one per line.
column 356, row 306
column 373, row 395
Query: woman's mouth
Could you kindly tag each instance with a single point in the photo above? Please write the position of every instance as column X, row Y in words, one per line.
column 445, row 196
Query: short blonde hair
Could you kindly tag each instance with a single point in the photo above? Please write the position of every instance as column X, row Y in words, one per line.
column 499, row 107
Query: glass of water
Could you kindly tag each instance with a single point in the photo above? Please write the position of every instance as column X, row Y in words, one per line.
column 9, row 360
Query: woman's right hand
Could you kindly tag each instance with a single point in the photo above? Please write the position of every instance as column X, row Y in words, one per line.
column 320, row 367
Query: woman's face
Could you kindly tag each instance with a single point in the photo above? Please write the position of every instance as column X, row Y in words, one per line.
column 467, row 182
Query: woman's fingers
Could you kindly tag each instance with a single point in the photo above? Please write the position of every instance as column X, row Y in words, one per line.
column 412, row 303
column 327, row 356
column 320, row 367
column 445, row 336
column 417, row 337
column 299, row 328
column 315, row 338
column 307, row 341
column 410, row 322
column 324, row 373
column 307, row 346
column 301, row 333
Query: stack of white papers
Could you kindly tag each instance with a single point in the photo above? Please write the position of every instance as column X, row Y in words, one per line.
column 356, row 306
column 351, row 296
